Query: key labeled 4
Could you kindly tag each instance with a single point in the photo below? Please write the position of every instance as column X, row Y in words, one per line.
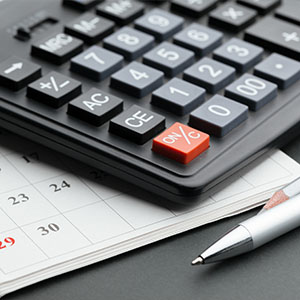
column 181, row 143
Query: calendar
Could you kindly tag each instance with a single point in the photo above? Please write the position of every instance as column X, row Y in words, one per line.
column 57, row 214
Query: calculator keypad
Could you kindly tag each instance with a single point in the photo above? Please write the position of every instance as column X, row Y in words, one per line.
column 54, row 89
column 137, row 124
column 96, row 63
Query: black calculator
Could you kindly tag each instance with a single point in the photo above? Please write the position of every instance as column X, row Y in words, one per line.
column 172, row 96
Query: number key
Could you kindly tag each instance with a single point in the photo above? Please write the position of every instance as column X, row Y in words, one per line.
column 169, row 58
column 95, row 107
column 210, row 74
column 218, row 116
column 96, row 63
column 178, row 96
column 252, row 91
column 199, row 39
column 239, row 54
column 137, row 79
column 129, row 42
column 160, row 24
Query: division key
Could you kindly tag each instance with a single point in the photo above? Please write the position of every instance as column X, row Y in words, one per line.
column 276, row 35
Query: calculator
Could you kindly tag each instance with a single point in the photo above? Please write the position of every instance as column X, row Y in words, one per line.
column 171, row 96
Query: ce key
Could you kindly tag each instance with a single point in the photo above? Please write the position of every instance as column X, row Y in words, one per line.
column 181, row 143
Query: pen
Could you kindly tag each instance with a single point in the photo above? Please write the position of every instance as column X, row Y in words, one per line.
column 290, row 190
column 254, row 232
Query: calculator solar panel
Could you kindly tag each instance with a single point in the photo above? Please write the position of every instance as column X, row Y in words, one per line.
column 171, row 96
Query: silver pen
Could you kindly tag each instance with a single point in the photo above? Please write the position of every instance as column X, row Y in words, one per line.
column 254, row 232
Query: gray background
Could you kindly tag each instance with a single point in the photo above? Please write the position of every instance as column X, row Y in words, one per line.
column 163, row 271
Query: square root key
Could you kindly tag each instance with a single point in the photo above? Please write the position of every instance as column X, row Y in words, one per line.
column 137, row 124
column 218, row 116
column 137, row 79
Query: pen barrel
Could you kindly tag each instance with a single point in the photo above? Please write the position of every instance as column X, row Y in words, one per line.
column 274, row 222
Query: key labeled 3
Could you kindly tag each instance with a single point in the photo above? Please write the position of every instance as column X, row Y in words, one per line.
column 181, row 143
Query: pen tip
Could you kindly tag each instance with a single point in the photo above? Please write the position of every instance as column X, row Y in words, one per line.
column 198, row 261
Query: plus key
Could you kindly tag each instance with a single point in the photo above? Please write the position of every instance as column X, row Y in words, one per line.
column 181, row 143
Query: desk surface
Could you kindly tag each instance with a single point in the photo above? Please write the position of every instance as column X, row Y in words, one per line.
column 163, row 271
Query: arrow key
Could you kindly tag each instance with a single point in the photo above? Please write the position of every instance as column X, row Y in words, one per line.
column 16, row 73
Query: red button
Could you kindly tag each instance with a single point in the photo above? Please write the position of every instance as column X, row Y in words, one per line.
column 181, row 143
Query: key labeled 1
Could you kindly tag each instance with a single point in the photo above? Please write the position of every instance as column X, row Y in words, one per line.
column 181, row 143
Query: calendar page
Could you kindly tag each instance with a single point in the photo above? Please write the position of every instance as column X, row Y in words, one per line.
column 57, row 214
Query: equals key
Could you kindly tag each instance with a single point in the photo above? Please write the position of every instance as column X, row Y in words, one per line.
column 276, row 35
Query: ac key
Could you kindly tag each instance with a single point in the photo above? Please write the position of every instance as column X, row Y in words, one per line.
column 54, row 89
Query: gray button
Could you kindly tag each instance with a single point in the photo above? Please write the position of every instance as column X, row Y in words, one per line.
column 252, row 91
column 178, row 96
column 239, row 54
column 279, row 69
column 199, row 39
column 129, row 42
column 96, row 63
column 137, row 79
column 159, row 23
column 169, row 58
column 218, row 116
column 137, row 124
column 210, row 74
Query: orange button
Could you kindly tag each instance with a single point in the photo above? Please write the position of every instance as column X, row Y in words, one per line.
column 181, row 143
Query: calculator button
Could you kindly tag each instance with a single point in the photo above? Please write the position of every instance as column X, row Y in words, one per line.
column 81, row 4
column 181, row 143
column 251, row 91
column 95, row 107
column 169, row 58
column 137, row 79
column 137, row 124
column 199, row 39
column 159, row 23
column 232, row 17
column 58, row 48
column 129, row 42
column 54, row 89
column 96, row 63
column 218, row 116
column 193, row 8
column 279, row 69
column 178, row 96
column 90, row 28
column 121, row 11
column 261, row 6
column 16, row 73
column 210, row 74
column 239, row 54
column 289, row 11
column 276, row 35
